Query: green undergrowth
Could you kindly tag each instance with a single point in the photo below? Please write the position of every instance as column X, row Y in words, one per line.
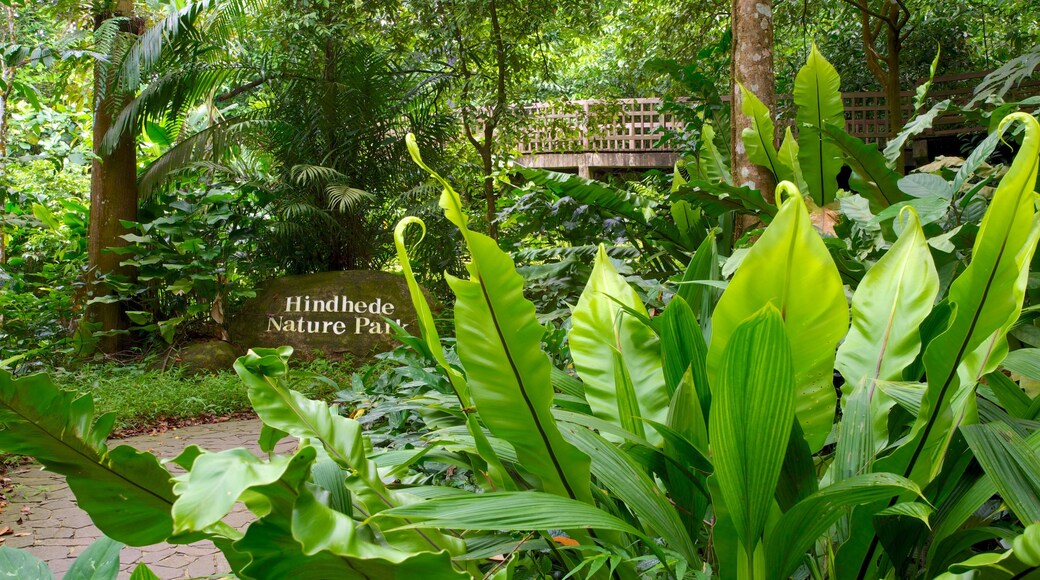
column 142, row 398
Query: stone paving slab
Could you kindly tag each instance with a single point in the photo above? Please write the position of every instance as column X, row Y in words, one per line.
column 55, row 530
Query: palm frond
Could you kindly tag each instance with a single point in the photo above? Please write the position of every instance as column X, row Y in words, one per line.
column 168, row 97
column 307, row 175
column 344, row 198
column 213, row 140
column 570, row 252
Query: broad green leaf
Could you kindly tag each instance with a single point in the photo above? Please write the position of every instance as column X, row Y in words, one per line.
column 872, row 177
column 986, row 299
column 974, row 160
column 126, row 492
column 46, row 216
column 428, row 331
column 919, row 124
column 790, row 169
column 321, row 529
column 682, row 346
column 686, row 416
column 509, row 375
column 923, row 185
column 263, row 371
column 567, row 384
column 798, row 529
column 1011, row 464
column 599, row 328
column 790, row 268
column 1011, row 396
column 688, row 421
column 717, row 198
column 499, row 343
column 751, row 417
column 298, row 539
column 1024, row 361
column 17, row 564
column 139, row 316
column 100, row 561
column 758, row 138
column 702, row 298
column 510, row 511
column 711, row 165
column 1024, row 556
column 627, row 404
column 817, row 93
column 892, row 301
column 143, row 572
column 216, row 481
column 798, row 478
column 910, row 509
column 624, row 479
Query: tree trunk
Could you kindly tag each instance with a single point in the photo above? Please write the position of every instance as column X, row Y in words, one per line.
column 487, row 159
column 893, row 98
column 7, row 76
column 752, row 66
column 113, row 197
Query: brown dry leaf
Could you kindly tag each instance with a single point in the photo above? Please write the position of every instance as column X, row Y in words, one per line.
column 824, row 219
column 565, row 541
column 22, row 534
column 6, row 531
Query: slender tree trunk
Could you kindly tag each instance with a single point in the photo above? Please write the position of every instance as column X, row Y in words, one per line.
column 489, row 182
column 893, row 96
column 7, row 75
column 113, row 197
column 752, row 66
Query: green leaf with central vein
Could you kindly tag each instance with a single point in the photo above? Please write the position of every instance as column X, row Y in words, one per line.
column 510, row 511
column 790, row 268
column 428, row 331
column 600, row 328
column 509, row 375
column 263, row 372
column 987, row 299
column 817, row 93
column 892, row 301
column 798, row 529
column 872, row 177
column 127, row 493
column 759, row 138
column 499, row 343
column 751, row 417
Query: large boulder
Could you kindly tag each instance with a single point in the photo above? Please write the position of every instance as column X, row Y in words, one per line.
column 328, row 315
column 207, row 357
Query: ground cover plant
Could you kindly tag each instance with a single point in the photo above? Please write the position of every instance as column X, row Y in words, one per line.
column 674, row 452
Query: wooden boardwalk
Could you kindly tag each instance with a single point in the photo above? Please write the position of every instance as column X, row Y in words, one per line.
column 587, row 135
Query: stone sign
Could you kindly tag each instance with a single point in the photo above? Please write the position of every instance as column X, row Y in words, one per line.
column 328, row 314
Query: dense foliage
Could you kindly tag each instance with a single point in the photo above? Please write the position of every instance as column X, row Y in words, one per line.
column 700, row 441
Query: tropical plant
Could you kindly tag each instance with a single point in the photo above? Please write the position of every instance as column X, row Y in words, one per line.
column 674, row 452
column 100, row 561
column 194, row 255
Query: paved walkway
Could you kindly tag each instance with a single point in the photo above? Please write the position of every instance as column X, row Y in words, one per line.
column 55, row 530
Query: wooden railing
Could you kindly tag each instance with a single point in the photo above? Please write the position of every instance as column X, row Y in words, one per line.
column 636, row 125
